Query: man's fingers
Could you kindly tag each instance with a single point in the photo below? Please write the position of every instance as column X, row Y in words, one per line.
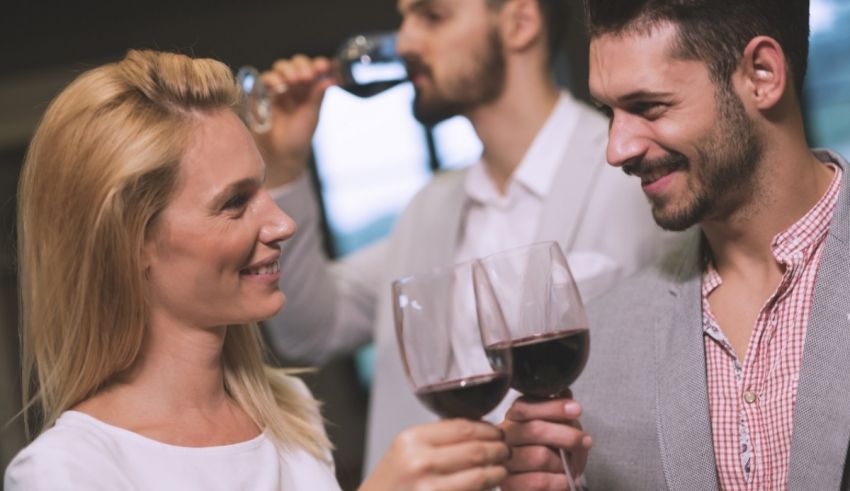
column 295, row 78
column 535, row 481
column 540, row 432
column 556, row 410
column 534, row 458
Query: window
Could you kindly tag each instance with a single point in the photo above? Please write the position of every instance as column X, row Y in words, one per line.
column 372, row 156
column 827, row 89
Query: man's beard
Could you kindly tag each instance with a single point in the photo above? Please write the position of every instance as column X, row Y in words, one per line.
column 728, row 159
column 483, row 82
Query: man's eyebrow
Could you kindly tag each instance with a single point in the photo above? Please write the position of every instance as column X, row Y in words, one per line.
column 414, row 5
column 640, row 95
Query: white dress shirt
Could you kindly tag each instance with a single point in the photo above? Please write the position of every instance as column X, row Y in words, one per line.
column 495, row 222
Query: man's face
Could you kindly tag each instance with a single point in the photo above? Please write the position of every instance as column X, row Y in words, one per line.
column 689, row 140
column 454, row 56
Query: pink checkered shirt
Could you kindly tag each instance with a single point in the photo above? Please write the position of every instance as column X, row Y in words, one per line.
column 751, row 404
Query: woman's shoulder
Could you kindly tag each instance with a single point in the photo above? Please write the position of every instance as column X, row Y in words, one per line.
column 73, row 453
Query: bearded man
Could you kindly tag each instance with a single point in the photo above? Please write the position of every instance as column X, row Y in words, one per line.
column 732, row 373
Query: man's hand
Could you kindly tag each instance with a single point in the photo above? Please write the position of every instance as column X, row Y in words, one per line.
column 535, row 430
column 297, row 86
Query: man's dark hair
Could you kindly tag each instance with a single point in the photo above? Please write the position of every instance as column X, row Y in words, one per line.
column 714, row 31
column 556, row 15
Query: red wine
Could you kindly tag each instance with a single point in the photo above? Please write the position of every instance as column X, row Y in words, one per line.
column 545, row 365
column 469, row 398
column 372, row 88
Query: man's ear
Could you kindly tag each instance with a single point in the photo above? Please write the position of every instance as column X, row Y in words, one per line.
column 764, row 72
column 522, row 24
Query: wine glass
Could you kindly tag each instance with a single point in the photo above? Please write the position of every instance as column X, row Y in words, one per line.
column 364, row 65
column 542, row 310
column 456, row 369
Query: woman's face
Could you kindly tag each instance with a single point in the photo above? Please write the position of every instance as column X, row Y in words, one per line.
column 212, row 256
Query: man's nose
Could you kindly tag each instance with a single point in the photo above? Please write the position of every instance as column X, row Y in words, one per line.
column 627, row 140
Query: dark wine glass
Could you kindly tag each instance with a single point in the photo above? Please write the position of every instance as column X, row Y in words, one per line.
column 364, row 65
column 442, row 347
column 541, row 308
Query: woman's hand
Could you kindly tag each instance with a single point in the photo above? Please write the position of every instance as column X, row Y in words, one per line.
column 450, row 455
column 297, row 86
column 535, row 431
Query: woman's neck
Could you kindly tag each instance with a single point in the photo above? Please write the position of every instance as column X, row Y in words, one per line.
column 175, row 391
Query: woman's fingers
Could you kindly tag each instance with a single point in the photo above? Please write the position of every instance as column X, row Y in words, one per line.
column 456, row 430
column 456, row 457
column 473, row 479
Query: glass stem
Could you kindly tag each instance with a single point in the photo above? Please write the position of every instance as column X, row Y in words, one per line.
column 570, row 480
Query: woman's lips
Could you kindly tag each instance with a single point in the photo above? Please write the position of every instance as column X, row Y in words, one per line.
column 267, row 271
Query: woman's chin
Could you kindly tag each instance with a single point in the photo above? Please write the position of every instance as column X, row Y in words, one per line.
column 270, row 308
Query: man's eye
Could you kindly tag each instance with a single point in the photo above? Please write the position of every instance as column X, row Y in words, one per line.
column 430, row 16
column 649, row 110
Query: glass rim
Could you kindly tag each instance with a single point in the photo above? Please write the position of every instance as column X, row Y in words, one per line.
column 514, row 250
column 433, row 272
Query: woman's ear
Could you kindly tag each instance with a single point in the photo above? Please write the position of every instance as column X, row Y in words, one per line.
column 147, row 259
column 522, row 24
column 764, row 71
column 149, row 249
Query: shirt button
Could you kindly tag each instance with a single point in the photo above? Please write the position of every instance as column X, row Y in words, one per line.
column 749, row 397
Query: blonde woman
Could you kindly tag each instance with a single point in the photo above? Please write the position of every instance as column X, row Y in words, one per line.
column 148, row 252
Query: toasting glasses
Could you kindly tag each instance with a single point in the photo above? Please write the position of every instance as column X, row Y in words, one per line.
column 457, row 366
column 540, row 307
column 365, row 65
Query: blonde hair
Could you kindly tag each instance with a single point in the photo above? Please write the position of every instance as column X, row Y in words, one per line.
column 102, row 164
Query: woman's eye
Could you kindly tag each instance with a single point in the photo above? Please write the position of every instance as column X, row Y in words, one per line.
column 237, row 202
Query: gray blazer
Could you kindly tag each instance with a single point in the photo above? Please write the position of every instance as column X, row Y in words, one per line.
column 644, row 389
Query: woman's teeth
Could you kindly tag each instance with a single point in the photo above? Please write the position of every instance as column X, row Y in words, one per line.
column 267, row 269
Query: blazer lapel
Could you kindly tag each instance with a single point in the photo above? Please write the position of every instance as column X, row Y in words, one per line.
column 684, row 426
column 572, row 185
column 821, row 434
column 438, row 249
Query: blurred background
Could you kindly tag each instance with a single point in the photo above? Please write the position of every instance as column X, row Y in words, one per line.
column 370, row 154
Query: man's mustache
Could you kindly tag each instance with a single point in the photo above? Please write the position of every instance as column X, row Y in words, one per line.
column 415, row 67
column 656, row 167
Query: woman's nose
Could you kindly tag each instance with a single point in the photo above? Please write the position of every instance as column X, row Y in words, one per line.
column 277, row 226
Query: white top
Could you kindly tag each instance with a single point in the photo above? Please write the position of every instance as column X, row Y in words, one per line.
column 81, row 452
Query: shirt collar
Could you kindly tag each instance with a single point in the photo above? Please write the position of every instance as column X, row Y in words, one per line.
column 789, row 245
column 812, row 227
column 541, row 161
